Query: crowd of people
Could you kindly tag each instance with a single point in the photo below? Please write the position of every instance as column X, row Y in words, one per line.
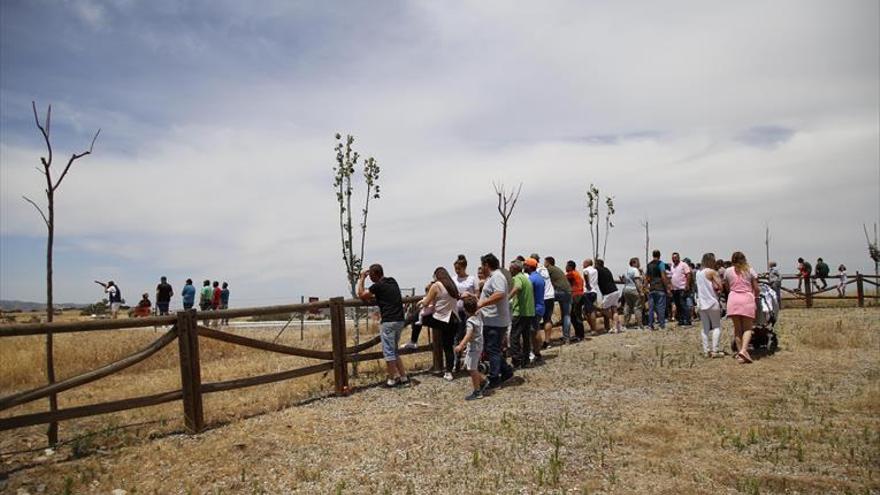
column 507, row 313
column 212, row 296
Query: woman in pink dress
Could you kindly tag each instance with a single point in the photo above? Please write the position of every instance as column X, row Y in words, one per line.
column 742, row 282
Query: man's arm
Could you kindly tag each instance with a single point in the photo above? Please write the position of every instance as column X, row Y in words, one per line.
column 363, row 294
column 493, row 299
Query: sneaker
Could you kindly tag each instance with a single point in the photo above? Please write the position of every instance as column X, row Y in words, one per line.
column 391, row 382
column 476, row 394
column 485, row 386
column 410, row 345
column 448, row 376
column 403, row 381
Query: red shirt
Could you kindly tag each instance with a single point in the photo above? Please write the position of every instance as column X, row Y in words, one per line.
column 216, row 300
column 577, row 282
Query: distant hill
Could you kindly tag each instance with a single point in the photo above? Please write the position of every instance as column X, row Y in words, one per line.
column 30, row 306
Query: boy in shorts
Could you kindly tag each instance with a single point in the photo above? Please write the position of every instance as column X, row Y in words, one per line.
column 472, row 345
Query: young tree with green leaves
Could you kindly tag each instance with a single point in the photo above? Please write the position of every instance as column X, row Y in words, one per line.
column 594, row 217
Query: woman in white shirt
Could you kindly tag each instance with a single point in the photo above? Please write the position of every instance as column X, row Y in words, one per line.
column 443, row 296
column 466, row 284
column 709, row 285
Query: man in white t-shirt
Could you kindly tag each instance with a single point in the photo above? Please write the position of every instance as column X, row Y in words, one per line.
column 591, row 293
column 549, row 299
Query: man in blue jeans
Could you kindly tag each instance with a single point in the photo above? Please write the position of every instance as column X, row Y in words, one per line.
column 562, row 290
column 496, row 318
column 385, row 293
column 659, row 289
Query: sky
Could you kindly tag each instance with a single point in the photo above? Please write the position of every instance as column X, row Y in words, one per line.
column 215, row 160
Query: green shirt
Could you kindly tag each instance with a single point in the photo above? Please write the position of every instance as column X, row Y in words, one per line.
column 206, row 294
column 525, row 296
column 557, row 278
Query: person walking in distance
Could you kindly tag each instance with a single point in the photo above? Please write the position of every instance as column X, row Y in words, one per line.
column 742, row 282
column 496, row 318
column 443, row 297
column 680, row 286
column 224, row 300
column 385, row 293
column 164, row 291
column 562, row 291
column 522, row 307
column 530, row 265
column 709, row 285
column 659, row 289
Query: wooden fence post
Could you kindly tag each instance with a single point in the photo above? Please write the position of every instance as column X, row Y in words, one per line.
column 190, row 371
column 338, row 335
column 860, row 289
column 808, row 290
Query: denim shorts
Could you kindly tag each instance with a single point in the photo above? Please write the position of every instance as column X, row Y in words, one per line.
column 390, row 334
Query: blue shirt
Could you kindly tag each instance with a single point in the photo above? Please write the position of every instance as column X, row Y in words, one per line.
column 188, row 293
column 538, row 286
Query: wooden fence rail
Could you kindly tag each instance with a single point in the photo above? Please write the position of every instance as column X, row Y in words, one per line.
column 186, row 330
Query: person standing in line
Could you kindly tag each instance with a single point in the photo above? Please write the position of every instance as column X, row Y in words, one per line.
column 224, row 301
column 443, row 297
column 659, row 289
column 610, row 298
column 841, row 285
column 680, row 286
column 562, row 292
column 774, row 279
column 538, row 289
column 205, row 296
column 632, row 294
column 549, row 301
column 591, row 295
column 164, row 291
column 742, row 282
column 522, row 307
column 822, row 272
column 216, row 291
column 188, row 295
column 709, row 284
column 496, row 318
column 576, row 281
column 386, row 294
column 472, row 347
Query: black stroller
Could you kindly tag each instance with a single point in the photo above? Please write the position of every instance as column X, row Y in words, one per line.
column 764, row 337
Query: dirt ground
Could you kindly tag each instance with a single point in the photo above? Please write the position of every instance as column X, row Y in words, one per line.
column 640, row 412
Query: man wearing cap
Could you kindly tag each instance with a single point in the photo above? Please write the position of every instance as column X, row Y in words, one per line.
column 530, row 266
column 522, row 307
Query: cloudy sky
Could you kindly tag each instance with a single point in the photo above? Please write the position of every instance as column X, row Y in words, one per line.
column 711, row 119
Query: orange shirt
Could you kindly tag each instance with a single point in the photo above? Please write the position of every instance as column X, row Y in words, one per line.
column 577, row 282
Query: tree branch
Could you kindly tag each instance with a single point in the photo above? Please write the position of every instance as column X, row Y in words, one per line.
column 39, row 210
column 75, row 157
column 45, row 132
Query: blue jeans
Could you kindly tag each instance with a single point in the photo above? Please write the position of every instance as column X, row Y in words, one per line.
column 657, row 304
column 492, row 344
column 564, row 300
column 389, row 334
column 682, row 306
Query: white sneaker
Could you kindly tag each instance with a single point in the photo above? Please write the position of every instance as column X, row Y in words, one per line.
column 448, row 376
column 410, row 345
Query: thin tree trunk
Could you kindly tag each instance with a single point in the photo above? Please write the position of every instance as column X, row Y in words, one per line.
column 503, row 241
column 52, row 432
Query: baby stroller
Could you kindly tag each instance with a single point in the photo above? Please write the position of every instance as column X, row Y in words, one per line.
column 764, row 338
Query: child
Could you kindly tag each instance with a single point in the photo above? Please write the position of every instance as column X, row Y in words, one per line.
column 841, row 286
column 472, row 345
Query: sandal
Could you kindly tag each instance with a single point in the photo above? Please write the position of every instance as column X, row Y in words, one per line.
column 743, row 358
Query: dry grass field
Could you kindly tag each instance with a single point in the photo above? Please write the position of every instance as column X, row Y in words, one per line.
column 639, row 412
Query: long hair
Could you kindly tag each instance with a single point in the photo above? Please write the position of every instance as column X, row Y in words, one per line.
column 443, row 277
column 708, row 261
column 738, row 260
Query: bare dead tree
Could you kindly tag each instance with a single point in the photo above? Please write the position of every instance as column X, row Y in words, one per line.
column 49, row 219
column 647, row 240
column 874, row 254
column 506, row 203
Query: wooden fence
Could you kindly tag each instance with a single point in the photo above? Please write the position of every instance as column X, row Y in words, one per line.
column 809, row 294
column 186, row 330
